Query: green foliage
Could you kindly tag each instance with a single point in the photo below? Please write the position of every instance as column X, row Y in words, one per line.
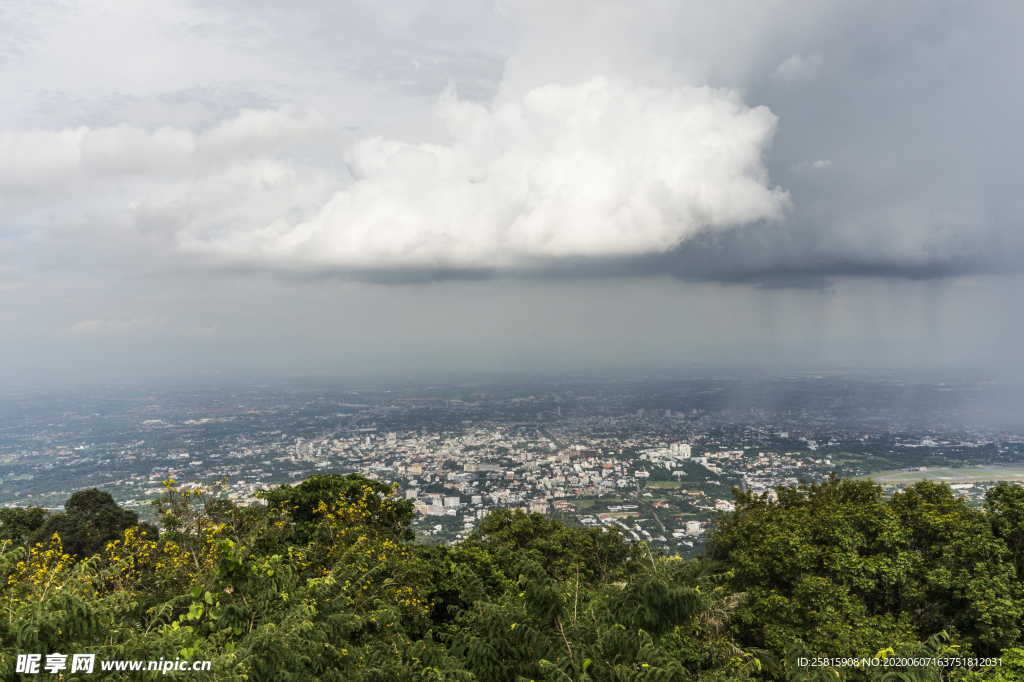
column 324, row 582
column 301, row 501
column 1005, row 506
column 845, row 570
column 90, row 519
column 600, row 554
column 18, row 524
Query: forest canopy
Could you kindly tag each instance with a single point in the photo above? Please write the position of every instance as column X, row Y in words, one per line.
column 324, row 581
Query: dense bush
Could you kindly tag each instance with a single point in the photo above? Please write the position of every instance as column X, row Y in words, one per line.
column 324, row 582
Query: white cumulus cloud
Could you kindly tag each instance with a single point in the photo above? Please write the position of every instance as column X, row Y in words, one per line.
column 42, row 159
column 600, row 168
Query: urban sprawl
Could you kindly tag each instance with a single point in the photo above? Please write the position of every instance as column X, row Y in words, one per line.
column 659, row 472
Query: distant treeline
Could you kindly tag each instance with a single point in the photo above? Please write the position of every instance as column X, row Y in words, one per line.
column 325, row 581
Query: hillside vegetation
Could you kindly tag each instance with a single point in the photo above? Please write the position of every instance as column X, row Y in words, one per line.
column 325, row 582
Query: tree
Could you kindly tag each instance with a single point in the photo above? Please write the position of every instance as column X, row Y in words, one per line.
column 91, row 518
column 845, row 570
column 19, row 524
column 1005, row 506
column 599, row 554
column 303, row 501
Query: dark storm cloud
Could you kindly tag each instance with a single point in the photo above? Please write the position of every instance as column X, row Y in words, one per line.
column 735, row 257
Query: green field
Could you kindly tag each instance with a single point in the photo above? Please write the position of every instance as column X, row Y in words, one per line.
column 587, row 503
column 670, row 485
column 977, row 474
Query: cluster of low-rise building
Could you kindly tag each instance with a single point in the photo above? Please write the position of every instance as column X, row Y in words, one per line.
column 593, row 458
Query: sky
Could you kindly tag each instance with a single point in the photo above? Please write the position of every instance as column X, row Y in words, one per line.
column 196, row 188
